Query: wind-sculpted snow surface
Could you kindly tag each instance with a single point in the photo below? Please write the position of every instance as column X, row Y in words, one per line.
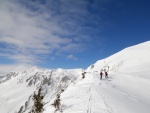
column 126, row 90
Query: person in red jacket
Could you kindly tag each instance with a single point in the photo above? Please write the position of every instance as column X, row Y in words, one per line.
column 106, row 74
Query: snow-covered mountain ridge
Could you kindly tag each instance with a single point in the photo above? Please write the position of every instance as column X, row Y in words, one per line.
column 17, row 88
column 125, row 91
column 130, row 59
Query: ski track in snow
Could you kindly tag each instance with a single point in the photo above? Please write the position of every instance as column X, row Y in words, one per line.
column 89, row 100
column 97, row 99
column 123, row 92
column 92, row 98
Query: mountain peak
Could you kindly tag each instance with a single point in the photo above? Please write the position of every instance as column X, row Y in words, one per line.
column 129, row 59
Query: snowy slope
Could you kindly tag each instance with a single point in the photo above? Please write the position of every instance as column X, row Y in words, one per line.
column 131, row 59
column 125, row 91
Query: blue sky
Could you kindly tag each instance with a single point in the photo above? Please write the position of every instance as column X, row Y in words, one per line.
column 69, row 33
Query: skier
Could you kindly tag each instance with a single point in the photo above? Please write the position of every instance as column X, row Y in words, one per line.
column 106, row 74
column 101, row 74
column 83, row 75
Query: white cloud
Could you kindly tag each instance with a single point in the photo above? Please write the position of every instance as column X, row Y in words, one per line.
column 72, row 57
column 5, row 69
column 29, row 29
column 28, row 32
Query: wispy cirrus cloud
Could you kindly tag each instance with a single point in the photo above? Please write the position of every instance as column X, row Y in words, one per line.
column 29, row 28
column 72, row 57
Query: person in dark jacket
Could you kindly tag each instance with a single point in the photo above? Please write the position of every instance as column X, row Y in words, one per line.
column 101, row 74
column 83, row 75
